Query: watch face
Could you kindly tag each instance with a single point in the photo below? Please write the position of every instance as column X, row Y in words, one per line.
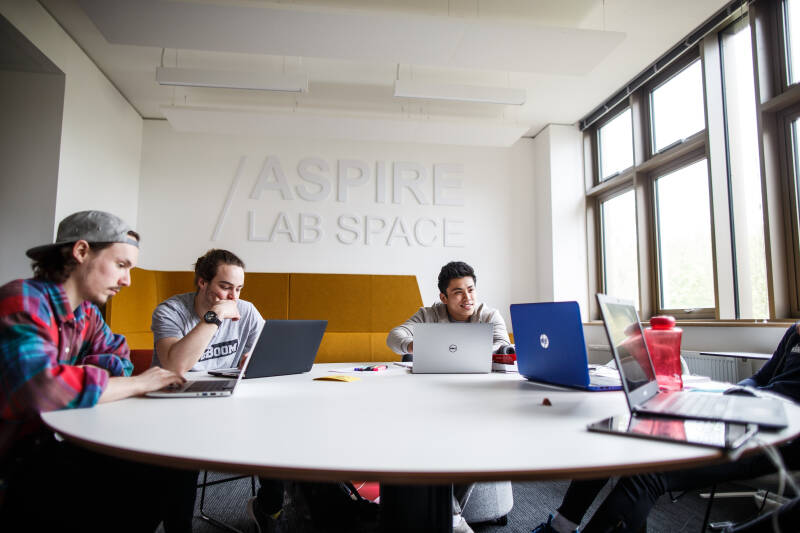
column 211, row 318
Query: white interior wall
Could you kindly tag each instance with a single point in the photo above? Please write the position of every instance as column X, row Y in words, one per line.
column 30, row 130
column 542, row 205
column 568, row 215
column 188, row 177
column 101, row 133
column 560, row 205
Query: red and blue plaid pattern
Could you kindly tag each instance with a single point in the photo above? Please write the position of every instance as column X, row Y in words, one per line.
column 51, row 357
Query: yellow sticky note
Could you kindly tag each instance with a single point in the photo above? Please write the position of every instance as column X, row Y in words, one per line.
column 337, row 377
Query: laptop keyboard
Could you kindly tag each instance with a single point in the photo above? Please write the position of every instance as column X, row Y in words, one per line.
column 209, row 386
column 696, row 405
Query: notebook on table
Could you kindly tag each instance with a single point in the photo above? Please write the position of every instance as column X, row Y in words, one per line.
column 626, row 338
column 284, row 347
column 551, row 348
column 452, row 348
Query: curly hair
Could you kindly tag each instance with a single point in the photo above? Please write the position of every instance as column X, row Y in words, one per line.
column 208, row 263
column 454, row 270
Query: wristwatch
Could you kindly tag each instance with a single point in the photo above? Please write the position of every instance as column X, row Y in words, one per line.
column 211, row 318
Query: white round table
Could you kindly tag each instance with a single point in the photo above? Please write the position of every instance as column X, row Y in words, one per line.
column 392, row 426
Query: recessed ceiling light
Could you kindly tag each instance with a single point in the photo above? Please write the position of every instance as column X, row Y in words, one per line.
column 460, row 93
column 257, row 81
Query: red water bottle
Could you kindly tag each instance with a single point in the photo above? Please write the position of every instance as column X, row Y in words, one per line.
column 664, row 342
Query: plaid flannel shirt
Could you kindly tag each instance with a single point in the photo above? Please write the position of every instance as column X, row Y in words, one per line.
column 51, row 357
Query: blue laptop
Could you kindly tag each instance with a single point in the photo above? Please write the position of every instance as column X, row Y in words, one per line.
column 551, row 349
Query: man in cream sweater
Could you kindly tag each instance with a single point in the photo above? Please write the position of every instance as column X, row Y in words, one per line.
column 458, row 303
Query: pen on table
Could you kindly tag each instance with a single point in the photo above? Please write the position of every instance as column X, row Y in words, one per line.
column 372, row 368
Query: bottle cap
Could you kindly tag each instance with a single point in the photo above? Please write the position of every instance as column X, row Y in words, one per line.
column 662, row 322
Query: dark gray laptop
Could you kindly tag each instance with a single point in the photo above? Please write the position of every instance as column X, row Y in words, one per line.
column 626, row 338
column 284, row 347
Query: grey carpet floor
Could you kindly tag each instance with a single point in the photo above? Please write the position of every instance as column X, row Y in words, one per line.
column 533, row 501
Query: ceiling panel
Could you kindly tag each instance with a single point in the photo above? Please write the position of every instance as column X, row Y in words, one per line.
column 567, row 55
column 396, row 38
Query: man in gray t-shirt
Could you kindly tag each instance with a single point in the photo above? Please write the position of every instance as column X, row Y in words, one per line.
column 176, row 317
column 211, row 328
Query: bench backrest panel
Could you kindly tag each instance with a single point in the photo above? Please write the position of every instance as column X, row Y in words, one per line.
column 360, row 308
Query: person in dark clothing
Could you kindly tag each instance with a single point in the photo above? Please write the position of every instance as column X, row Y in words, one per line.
column 627, row 505
column 781, row 374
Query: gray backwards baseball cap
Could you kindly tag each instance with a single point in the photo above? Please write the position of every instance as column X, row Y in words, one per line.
column 89, row 226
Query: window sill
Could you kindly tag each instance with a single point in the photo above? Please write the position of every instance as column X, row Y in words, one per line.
column 782, row 323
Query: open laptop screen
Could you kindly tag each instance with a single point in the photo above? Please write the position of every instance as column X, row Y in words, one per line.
column 625, row 332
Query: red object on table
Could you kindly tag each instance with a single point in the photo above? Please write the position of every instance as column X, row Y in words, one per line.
column 504, row 358
column 664, row 343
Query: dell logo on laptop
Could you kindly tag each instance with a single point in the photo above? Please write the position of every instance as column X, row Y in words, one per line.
column 453, row 348
column 544, row 341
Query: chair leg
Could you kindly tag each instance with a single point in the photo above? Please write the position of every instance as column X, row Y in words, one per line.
column 210, row 519
column 708, row 508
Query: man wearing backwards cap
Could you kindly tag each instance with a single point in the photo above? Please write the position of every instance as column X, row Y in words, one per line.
column 56, row 352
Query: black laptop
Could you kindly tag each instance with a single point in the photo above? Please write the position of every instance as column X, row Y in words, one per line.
column 284, row 347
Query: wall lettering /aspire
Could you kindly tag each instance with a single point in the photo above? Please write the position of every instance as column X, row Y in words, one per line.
column 317, row 181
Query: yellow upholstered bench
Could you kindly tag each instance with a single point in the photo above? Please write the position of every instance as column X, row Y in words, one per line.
column 360, row 308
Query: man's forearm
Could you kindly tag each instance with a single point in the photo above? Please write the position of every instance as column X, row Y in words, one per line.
column 399, row 339
column 182, row 355
column 119, row 388
column 499, row 332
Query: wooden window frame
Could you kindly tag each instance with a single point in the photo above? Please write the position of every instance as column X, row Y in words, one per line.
column 778, row 105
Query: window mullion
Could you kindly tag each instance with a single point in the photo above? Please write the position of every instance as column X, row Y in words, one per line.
column 716, row 152
column 645, row 232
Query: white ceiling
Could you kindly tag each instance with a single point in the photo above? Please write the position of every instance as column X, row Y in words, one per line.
column 569, row 55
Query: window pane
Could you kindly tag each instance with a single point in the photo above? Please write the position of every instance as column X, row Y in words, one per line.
column 796, row 156
column 616, row 145
column 792, row 24
column 744, row 167
column 683, row 225
column 676, row 107
column 620, row 263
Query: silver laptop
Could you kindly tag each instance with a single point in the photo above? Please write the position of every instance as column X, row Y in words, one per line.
column 202, row 388
column 626, row 338
column 452, row 348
